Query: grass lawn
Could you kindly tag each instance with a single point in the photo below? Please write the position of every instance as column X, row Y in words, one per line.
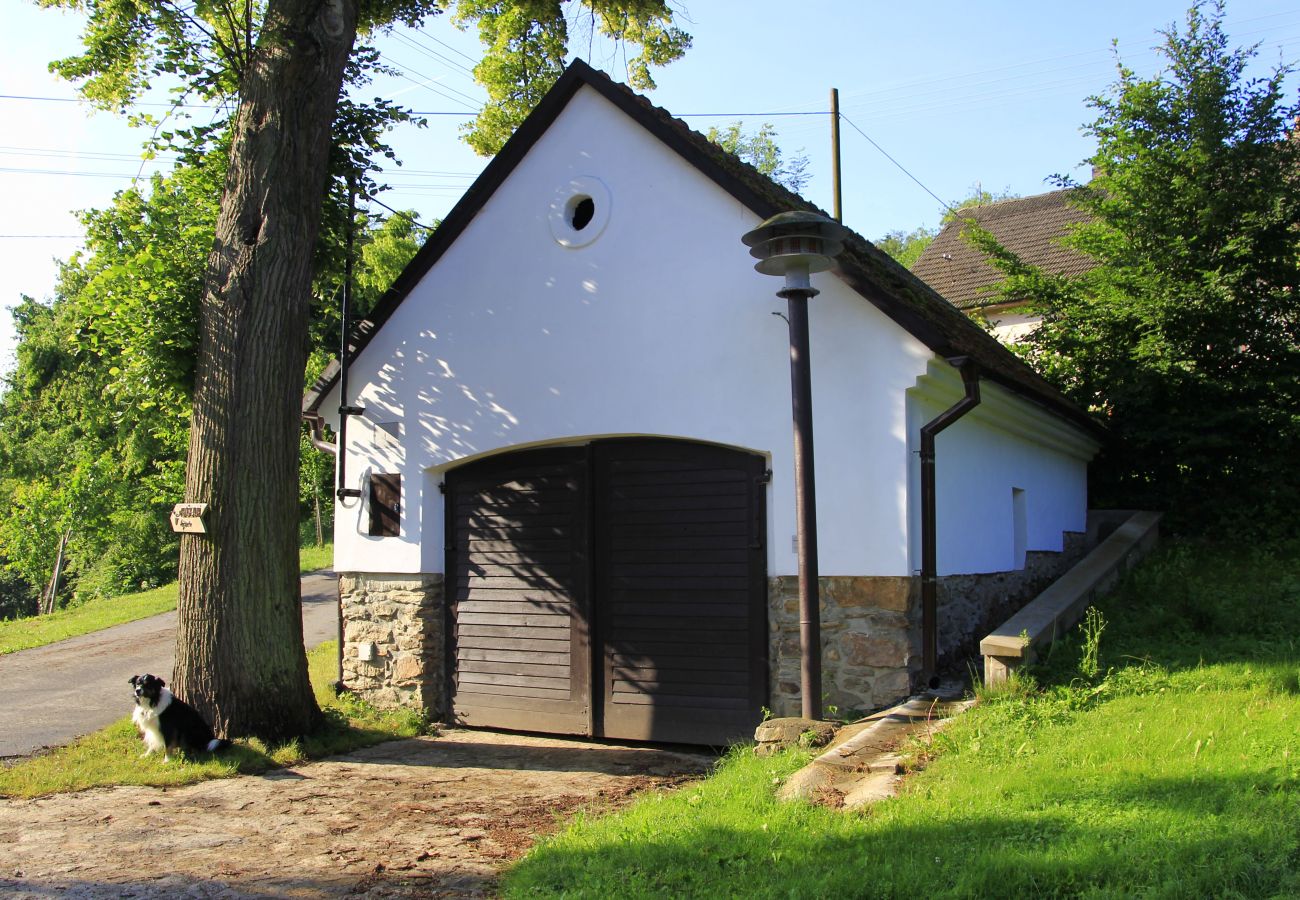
column 1170, row 770
column 111, row 756
column 37, row 631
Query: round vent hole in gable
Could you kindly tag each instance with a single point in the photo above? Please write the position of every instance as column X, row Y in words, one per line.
column 582, row 210
column 579, row 211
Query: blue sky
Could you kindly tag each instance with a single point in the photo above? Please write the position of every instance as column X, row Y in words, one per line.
column 958, row 93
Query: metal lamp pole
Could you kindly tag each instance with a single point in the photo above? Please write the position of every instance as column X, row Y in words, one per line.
column 794, row 245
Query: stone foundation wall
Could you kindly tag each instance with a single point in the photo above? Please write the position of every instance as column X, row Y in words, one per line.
column 393, row 640
column 970, row 606
column 871, row 628
column 871, row 641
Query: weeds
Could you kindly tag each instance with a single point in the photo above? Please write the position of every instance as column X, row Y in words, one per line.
column 1094, row 623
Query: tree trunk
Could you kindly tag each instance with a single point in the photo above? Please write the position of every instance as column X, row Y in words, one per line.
column 239, row 650
column 50, row 597
column 320, row 530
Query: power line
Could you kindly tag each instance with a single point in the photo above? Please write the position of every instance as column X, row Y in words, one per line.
column 397, row 212
column 80, row 100
column 85, row 155
column 18, row 171
column 424, row 112
column 416, row 45
column 900, row 166
column 749, row 115
column 450, row 47
column 428, row 83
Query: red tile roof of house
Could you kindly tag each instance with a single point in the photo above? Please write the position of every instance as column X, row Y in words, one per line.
column 1030, row 227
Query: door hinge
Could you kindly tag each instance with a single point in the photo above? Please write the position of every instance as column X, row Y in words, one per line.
column 765, row 478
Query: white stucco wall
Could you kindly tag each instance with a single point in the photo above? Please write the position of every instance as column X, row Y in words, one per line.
column 658, row 327
column 1011, row 327
column 1004, row 444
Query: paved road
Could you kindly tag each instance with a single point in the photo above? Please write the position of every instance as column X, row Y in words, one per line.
column 52, row 694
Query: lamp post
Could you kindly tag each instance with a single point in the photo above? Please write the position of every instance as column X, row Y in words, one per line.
column 794, row 245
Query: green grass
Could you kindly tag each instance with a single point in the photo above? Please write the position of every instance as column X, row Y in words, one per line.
column 96, row 615
column 311, row 558
column 1173, row 772
column 112, row 756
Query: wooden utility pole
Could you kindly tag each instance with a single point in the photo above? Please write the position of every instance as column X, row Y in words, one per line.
column 835, row 155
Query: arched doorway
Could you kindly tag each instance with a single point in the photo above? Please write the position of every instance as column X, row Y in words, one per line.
column 615, row 589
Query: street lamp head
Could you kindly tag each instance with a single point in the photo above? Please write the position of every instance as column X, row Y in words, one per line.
column 795, row 244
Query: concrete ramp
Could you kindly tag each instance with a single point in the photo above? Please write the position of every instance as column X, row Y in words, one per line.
column 1053, row 612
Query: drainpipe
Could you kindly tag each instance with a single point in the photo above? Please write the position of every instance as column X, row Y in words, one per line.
column 344, row 409
column 341, row 452
column 318, row 434
column 929, row 544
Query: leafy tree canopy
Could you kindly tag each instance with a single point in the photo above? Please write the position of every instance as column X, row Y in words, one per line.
column 1185, row 340
column 906, row 247
column 202, row 50
column 761, row 151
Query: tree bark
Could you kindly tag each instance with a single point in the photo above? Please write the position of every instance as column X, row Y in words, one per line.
column 50, row 597
column 320, row 530
column 239, row 646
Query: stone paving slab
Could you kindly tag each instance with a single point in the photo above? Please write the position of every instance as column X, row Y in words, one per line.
column 863, row 764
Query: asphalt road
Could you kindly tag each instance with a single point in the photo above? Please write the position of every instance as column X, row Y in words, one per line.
column 50, row 695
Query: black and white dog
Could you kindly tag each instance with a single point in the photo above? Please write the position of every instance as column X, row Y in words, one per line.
column 168, row 723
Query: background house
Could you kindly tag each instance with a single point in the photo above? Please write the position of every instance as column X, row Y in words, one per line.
column 577, row 509
column 1030, row 227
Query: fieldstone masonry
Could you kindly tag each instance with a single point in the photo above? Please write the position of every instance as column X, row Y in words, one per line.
column 393, row 644
column 868, row 651
column 871, row 628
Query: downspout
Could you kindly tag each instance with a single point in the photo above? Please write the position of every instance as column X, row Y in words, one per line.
column 318, row 441
column 344, row 409
column 929, row 544
column 341, row 452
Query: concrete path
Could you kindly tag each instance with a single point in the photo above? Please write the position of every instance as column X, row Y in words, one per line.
column 50, row 695
column 864, row 763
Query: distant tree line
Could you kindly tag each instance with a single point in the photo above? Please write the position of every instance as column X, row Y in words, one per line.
column 94, row 417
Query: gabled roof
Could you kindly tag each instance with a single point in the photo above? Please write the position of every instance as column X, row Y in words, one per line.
column 870, row 272
column 1030, row 227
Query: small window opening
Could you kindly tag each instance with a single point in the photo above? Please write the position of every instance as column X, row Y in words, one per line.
column 385, row 505
column 583, row 210
column 1019, row 527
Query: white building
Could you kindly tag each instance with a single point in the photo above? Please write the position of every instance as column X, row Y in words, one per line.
column 575, row 457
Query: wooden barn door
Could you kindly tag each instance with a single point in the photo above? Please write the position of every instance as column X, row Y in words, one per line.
column 681, row 591
column 617, row 589
column 517, row 573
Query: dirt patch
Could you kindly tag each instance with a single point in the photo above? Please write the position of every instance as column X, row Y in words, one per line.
column 428, row 817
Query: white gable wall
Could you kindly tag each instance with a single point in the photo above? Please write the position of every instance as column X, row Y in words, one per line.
column 658, row 327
